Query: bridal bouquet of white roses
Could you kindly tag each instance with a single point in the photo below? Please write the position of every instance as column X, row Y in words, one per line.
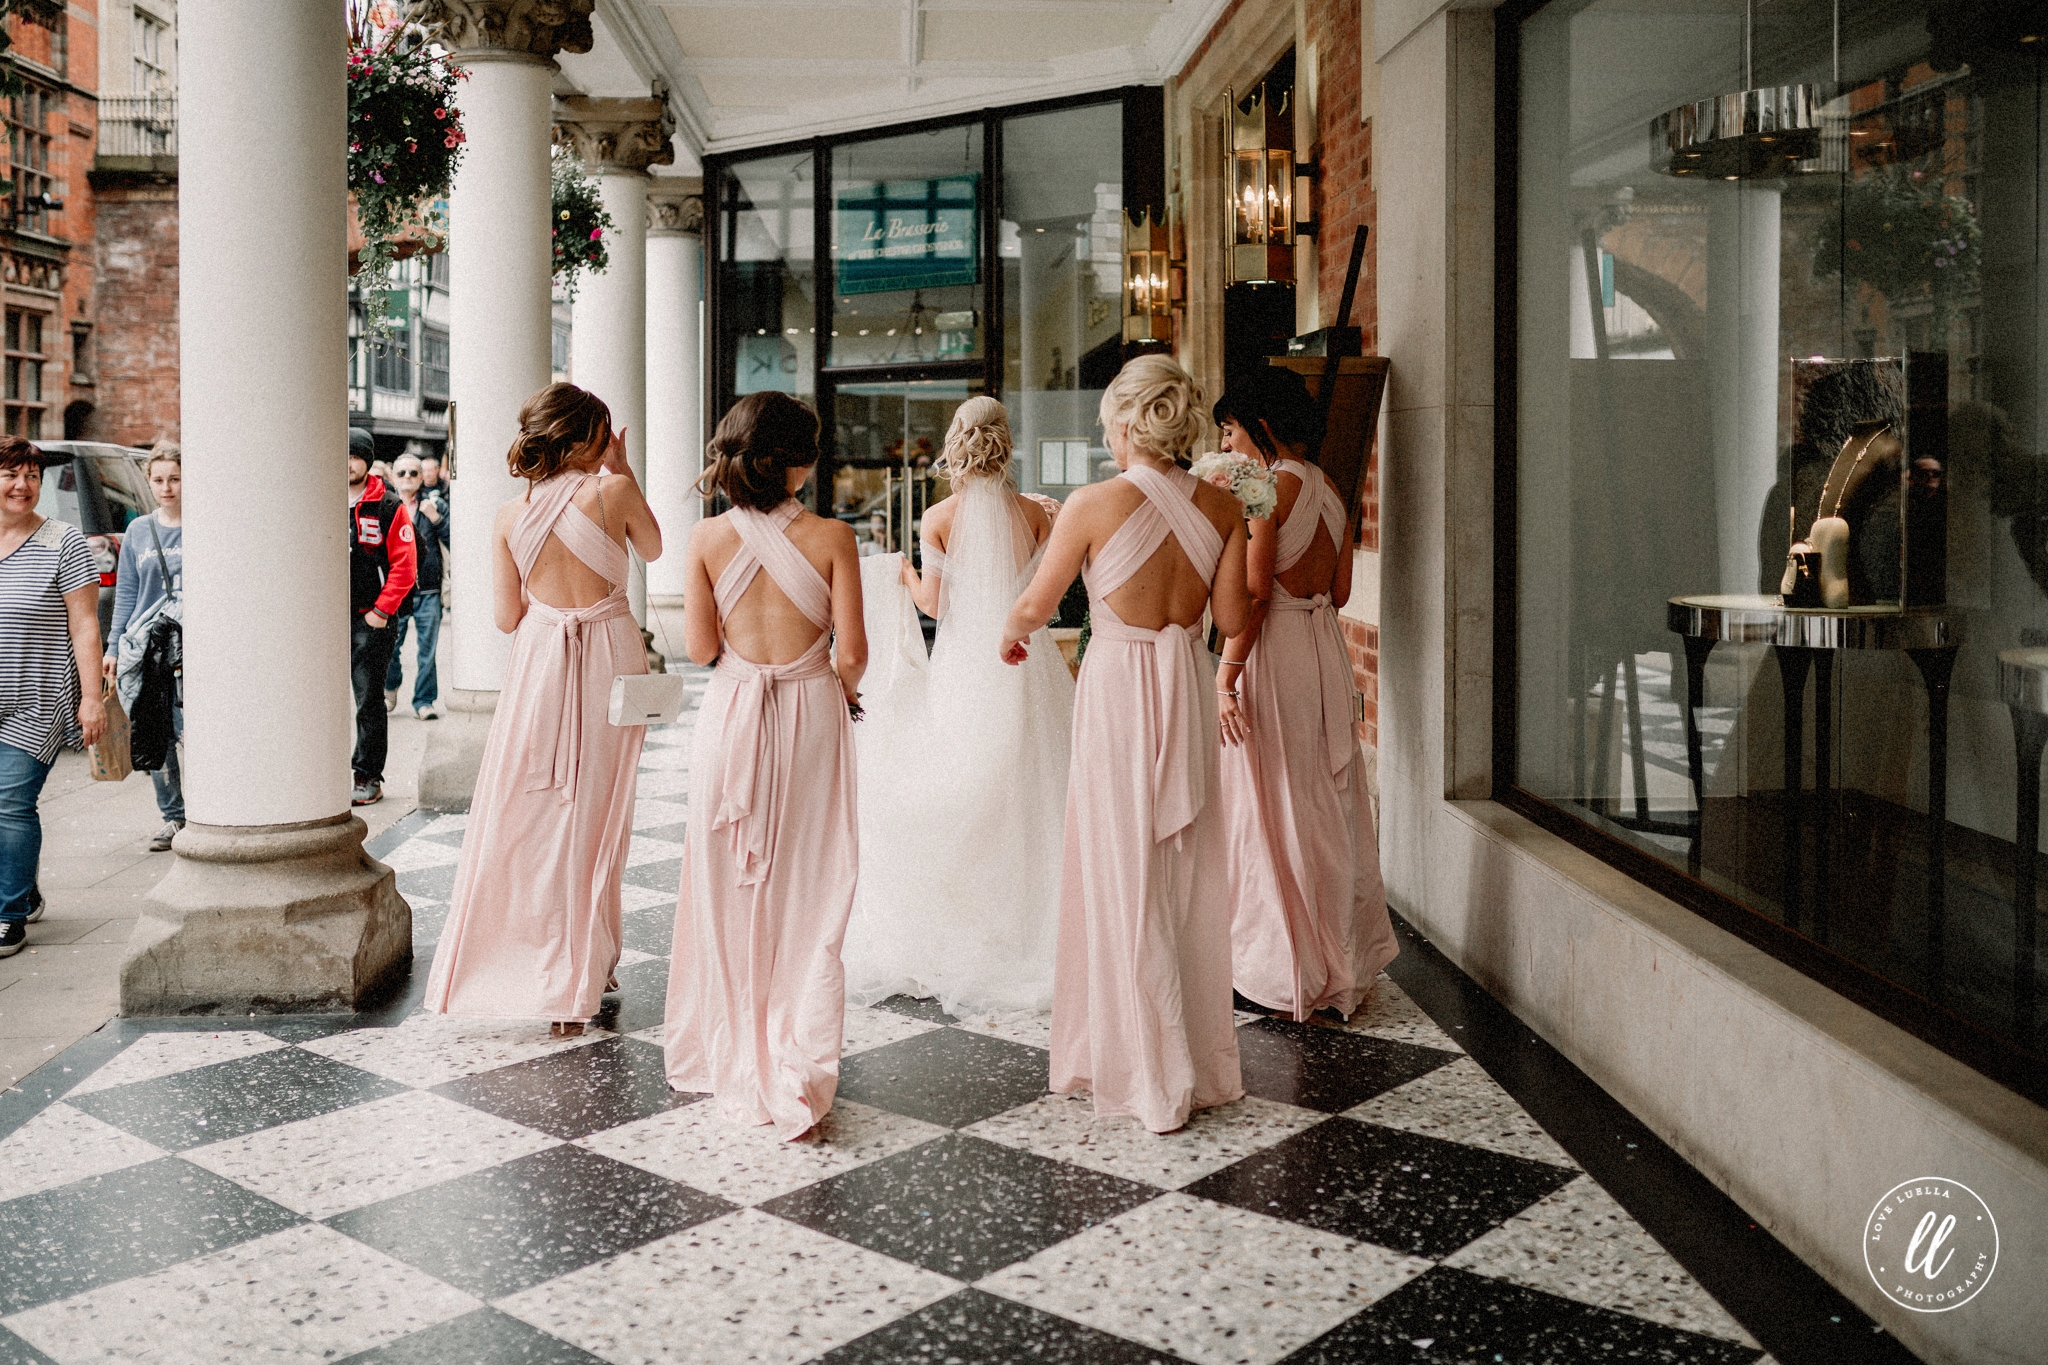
column 1244, row 478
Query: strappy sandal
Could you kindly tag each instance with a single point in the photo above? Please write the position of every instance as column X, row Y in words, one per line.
column 568, row 1030
column 611, row 984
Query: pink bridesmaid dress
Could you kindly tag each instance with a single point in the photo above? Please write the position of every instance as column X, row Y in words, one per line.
column 756, row 992
column 533, row 931
column 1309, row 929
column 1141, row 1011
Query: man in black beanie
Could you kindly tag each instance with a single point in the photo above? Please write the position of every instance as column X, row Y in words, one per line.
column 382, row 567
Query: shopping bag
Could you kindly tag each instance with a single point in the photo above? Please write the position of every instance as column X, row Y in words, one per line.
column 110, row 761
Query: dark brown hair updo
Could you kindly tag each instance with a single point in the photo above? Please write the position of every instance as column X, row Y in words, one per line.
column 553, row 425
column 758, row 441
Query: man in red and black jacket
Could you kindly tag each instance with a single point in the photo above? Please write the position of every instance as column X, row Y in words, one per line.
column 381, row 570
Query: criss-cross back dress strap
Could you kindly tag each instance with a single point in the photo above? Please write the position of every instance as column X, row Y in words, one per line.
column 1181, row 766
column 749, row 788
column 551, row 508
column 1318, row 505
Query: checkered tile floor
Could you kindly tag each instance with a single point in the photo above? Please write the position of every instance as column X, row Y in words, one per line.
column 446, row 1192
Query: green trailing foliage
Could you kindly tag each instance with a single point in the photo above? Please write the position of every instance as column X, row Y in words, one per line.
column 577, row 216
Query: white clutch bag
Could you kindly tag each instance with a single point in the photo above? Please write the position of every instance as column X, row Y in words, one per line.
column 646, row 698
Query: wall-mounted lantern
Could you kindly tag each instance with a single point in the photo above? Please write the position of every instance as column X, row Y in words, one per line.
column 1150, row 280
column 1258, row 157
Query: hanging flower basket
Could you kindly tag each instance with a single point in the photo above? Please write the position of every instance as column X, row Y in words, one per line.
column 1906, row 239
column 404, row 138
column 580, row 223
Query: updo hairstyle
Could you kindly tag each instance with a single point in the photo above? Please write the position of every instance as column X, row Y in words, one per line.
column 1158, row 403
column 1279, row 398
column 554, row 424
column 978, row 443
column 760, row 439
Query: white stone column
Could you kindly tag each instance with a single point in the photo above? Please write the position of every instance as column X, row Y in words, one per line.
column 1744, row 225
column 500, row 333
column 618, row 139
column 271, row 903
column 675, row 375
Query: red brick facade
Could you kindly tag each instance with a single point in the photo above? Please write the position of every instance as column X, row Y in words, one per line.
column 137, row 247
column 1363, row 641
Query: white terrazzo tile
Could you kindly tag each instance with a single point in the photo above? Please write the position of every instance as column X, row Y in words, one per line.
column 1033, row 1029
column 416, row 854
column 1211, row 1284
column 866, row 1029
column 1065, row 1128
column 343, row 1160
column 669, row 757
column 1459, row 1102
column 655, row 813
column 745, row 1287
column 699, row 1147
column 61, row 1145
column 1389, row 1013
column 633, row 957
column 307, row 1294
column 644, row 850
column 633, row 899
column 446, row 824
column 1580, row 1244
column 165, row 1054
column 428, row 1049
column 659, row 782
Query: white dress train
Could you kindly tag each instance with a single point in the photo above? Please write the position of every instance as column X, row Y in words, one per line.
column 963, row 780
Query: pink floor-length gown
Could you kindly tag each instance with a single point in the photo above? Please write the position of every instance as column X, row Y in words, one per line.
column 1141, row 1011
column 756, row 992
column 533, row 931
column 1309, row 929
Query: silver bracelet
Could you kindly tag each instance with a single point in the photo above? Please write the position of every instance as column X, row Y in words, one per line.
column 1221, row 693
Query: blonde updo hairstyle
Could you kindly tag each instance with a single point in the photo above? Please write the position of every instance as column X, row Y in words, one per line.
column 978, row 443
column 1159, row 405
column 554, row 425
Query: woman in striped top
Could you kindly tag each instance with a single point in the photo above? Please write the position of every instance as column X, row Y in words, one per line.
column 49, row 639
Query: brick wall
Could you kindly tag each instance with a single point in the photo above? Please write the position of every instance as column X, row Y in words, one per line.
column 1363, row 641
column 137, row 340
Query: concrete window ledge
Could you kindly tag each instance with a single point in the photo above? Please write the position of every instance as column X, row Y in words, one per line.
column 1803, row 1106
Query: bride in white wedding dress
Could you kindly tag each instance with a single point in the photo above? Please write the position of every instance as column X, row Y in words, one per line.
column 963, row 759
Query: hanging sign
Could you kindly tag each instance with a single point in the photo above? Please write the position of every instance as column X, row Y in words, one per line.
column 908, row 234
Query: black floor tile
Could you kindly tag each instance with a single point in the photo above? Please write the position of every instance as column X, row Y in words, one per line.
column 959, row 1205
column 499, row 1231
column 485, row 1337
column 1324, row 1068
column 652, row 930
column 575, row 1092
column 666, row 875
column 947, row 1076
column 15, row 1351
column 434, row 883
column 129, row 1222
column 1449, row 1316
column 229, row 1099
column 1401, row 1190
column 980, row 1328
column 915, row 1007
column 642, row 999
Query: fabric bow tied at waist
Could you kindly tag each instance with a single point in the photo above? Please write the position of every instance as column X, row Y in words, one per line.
column 555, row 760
column 1333, row 675
column 1180, row 770
column 763, row 749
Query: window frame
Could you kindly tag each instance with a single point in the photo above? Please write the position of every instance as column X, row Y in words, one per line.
column 24, row 415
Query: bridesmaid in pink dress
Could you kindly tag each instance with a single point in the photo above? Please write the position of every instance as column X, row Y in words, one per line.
column 1141, row 1012
column 756, row 992
column 533, row 931
column 1310, row 929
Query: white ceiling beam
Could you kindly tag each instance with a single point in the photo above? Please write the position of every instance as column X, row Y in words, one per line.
column 650, row 44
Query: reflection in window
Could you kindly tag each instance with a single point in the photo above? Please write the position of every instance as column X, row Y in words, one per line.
column 906, row 249
column 766, row 225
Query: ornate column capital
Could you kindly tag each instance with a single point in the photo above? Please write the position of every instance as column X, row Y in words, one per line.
column 618, row 134
column 534, row 28
column 675, row 208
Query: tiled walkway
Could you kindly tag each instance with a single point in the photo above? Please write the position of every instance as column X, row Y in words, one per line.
column 419, row 1190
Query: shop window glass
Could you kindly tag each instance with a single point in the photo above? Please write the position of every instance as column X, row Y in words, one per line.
column 1061, row 251
column 1815, row 320
column 766, row 225
column 907, row 252
column 888, row 436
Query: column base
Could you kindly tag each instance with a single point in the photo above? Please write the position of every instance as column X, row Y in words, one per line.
column 275, row 919
column 455, row 750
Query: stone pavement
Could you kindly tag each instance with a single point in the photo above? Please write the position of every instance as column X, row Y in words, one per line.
column 97, row 868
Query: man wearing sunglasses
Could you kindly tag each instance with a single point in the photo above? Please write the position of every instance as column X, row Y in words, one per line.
column 429, row 513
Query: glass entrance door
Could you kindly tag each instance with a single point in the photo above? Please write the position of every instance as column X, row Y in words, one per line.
column 886, row 438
